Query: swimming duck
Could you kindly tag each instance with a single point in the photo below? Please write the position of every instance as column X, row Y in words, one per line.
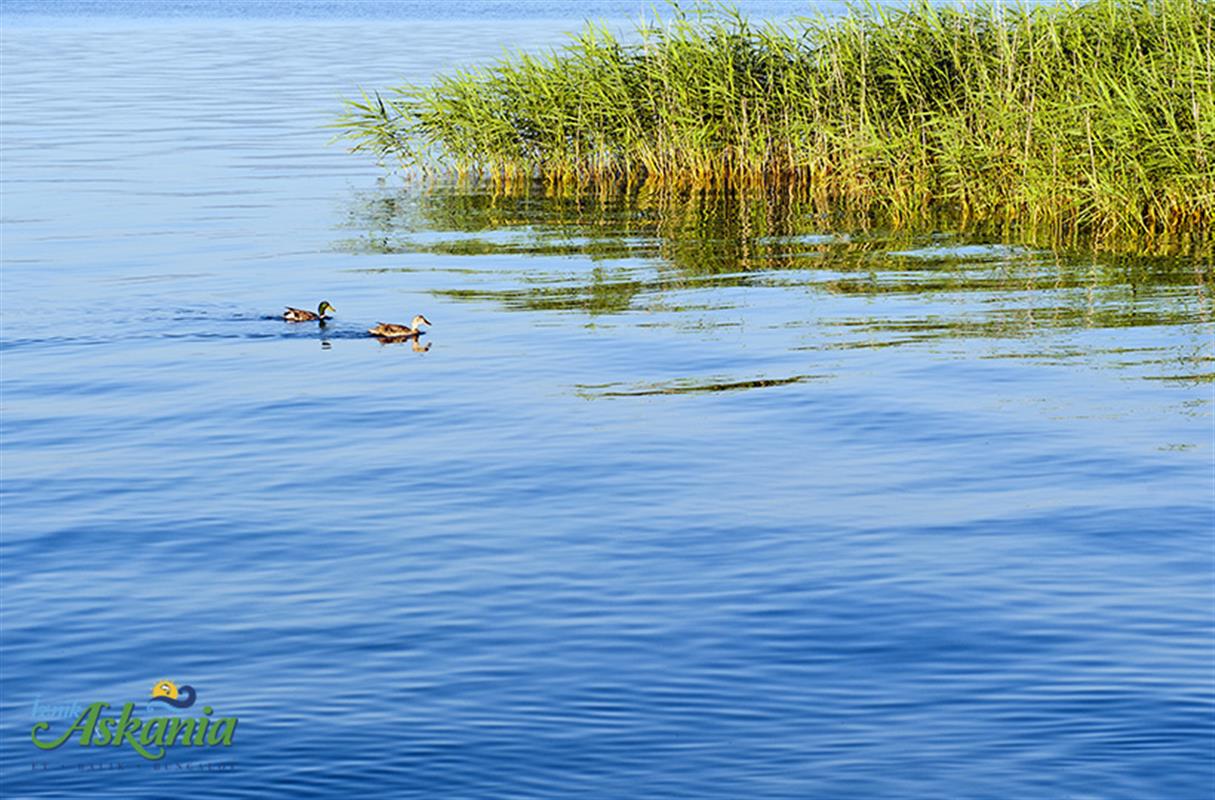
column 303, row 315
column 386, row 330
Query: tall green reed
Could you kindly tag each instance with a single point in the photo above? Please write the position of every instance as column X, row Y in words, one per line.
column 1094, row 120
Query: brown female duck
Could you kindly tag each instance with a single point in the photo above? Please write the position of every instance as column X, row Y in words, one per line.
column 387, row 330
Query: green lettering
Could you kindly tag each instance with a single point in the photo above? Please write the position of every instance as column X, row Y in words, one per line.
column 176, row 726
column 84, row 723
column 105, row 730
column 128, row 729
column 221, row 732
column 154, row 731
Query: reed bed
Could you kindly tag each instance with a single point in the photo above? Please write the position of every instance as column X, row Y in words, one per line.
column 1094, row 120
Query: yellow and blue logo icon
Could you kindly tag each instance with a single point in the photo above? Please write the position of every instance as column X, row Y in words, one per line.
column 178, row 697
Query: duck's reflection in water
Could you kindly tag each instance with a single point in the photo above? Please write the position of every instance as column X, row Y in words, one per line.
column 415, row 343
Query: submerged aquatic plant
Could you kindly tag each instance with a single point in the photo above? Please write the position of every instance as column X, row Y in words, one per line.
column 1093, row 120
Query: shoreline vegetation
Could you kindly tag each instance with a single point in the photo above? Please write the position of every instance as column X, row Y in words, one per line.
column 1091, row 122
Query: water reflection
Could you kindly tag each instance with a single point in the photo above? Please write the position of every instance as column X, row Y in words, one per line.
column 685, row 386
column 414, row 340
column 676, row 258
column 758, row 239
column 414, row 344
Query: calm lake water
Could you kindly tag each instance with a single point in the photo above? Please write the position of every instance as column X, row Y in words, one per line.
column 710, row 498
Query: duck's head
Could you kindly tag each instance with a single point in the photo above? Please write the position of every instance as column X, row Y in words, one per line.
column 323, row 307
column 419, row 320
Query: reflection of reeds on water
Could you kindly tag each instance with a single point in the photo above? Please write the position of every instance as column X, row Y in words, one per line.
column 703, row 240
column 690, row 386
column 661, row 259
column 1093, row 120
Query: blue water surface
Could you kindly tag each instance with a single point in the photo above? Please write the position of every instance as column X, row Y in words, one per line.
column 714, row 501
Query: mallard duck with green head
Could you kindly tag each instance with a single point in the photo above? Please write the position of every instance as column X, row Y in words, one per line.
column 387, row 330
column 304, row 315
